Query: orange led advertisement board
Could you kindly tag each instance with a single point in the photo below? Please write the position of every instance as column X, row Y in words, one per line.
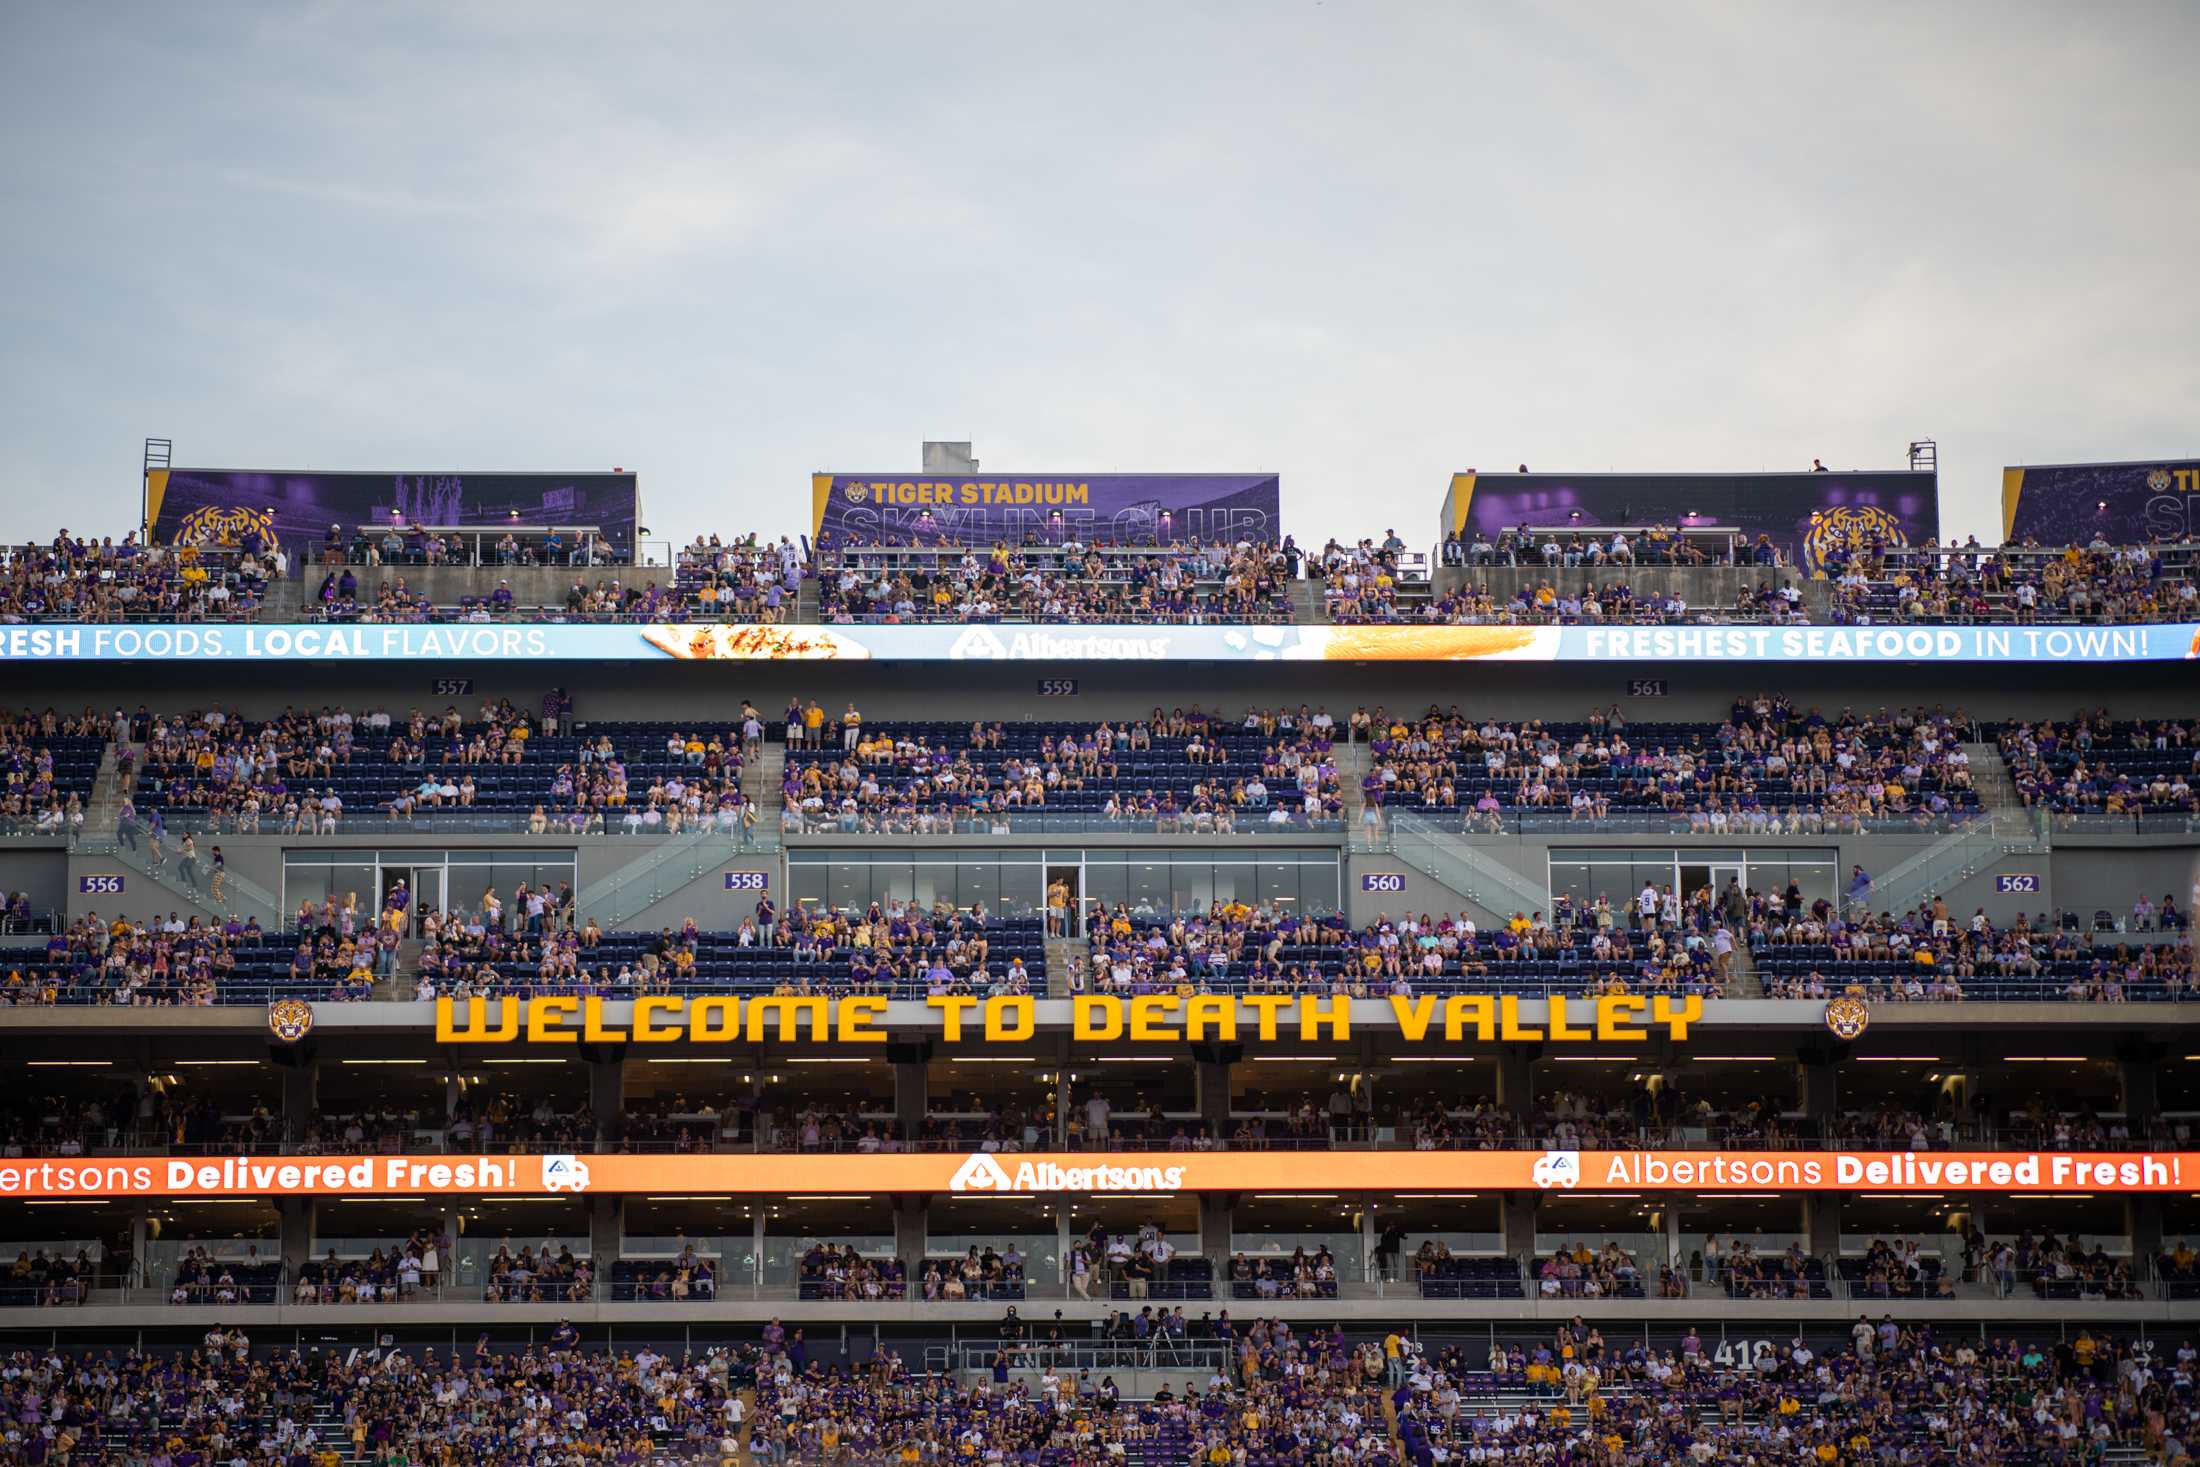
column 1014, row 1173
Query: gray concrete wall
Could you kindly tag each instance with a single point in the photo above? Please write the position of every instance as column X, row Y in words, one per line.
column 2079, row 877
column 705, row 898
column 2112, row 873
column 259, row 859
column 1421, row 893
column 2079, row 874
column 38, row 870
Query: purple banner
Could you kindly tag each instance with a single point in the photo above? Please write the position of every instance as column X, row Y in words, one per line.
column 2124, row 504
column 217, row 506
column 1805, row 515
column 1096, row 509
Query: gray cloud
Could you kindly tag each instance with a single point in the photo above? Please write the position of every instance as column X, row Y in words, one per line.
column 1362, row 245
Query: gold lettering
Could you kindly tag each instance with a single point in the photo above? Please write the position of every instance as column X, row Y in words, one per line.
column 1560, row 1029
column 714, row 1020
column 1312, row 1019
column 1095, row 1016
column 1478, row 1009
column 1509, row 1029
column 477, row 1030
column 1615, row 1010
column 1676, row 1017
column 1268, row 1005
column 1210, row 1015
column 540, row 1013
column 951, row 1007
column 857, row 1018
column 1152, row 1016
column 592, row 1029
column 1414, row 1018
column 792, row 1012
column 1010, row 1017
column 646, row 1032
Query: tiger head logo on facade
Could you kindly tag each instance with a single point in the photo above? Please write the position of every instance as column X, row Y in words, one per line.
column 223, row 525
column 1848, row 525
column 290, row 1019
column 1848, row 1017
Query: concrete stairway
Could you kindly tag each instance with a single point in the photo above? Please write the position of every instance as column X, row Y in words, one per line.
column 1744, row 981
column 1990, row 778
column 400, row 986
column 167, row 888
column 762, row 776
column 1353, row 761
column 1063, row 954
column 109, row 790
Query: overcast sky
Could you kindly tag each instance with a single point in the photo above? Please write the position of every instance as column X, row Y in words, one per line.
column 1362, row 245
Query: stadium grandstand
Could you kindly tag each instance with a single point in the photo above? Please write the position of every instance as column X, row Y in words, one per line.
column 1085, row 977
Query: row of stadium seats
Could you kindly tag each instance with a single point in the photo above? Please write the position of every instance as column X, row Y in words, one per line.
column 370, row 780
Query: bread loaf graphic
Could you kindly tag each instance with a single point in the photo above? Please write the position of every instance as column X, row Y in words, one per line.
column 720, row 642
column 1426, row 644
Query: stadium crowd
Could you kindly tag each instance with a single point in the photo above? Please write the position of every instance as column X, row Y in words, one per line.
column 1869, row 579
column 1238, row 947
column 894, row 947
column 319, row 771
column 1654, row 544
column 2092, row 764
column 1768, row 768
column 1174, row 770
column 2027, row 583
column 1897, row 1394
column 1545, row 604
column 77, row 579
column 48, row 760
column 1893, row 1393
column 1928, row 954
column 1192, row 583
column 175, row 961
column 343, row 597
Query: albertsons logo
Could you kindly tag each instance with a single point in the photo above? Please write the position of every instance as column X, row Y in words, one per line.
column 1105, row 644
column 564, row 1174
column 983, row 1173
column 977, row 643
column 1561, row 1169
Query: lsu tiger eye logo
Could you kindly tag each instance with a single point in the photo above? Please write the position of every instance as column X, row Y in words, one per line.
column 290, row 1019
column 2158, row 480
column 1848, row 1017
column 223, row 525
column 856, row 493
column 1848, row 524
